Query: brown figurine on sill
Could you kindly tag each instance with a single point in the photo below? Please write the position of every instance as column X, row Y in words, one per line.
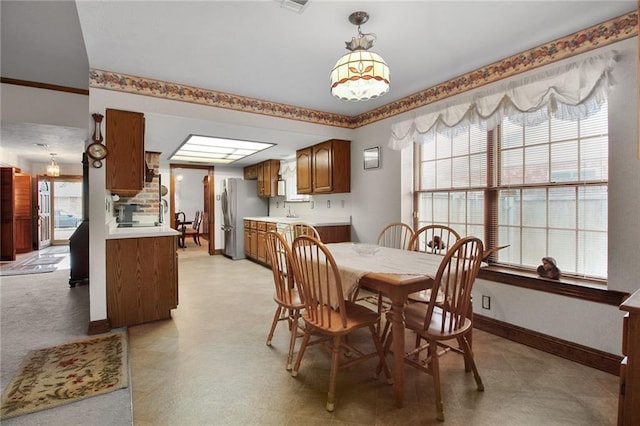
column 549, row 269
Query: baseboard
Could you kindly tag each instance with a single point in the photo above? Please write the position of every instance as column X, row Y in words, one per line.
column 98, row 327
column 594, row 358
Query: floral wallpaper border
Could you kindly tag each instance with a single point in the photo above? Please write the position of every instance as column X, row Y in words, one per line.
column 600, row 35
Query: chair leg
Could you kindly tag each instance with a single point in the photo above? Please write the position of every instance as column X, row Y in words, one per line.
column 303, row 347
column 468, row 356
column 335, row 359
column 292, row 343
column 435, row 372
column 276, row 318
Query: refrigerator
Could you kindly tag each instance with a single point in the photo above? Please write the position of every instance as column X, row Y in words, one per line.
column 239, row 199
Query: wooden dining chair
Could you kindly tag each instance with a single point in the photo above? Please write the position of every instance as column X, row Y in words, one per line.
column 327, row 315
column 436, row 322
column 434, row 239
column 396, row 235
column 295, row 229
column 286, row 294
column 193, row 230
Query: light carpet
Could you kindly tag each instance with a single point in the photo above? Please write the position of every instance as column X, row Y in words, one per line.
column 67, row 373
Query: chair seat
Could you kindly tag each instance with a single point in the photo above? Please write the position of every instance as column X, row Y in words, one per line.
column 293, row 300
column 357, row 316
column 414, row 320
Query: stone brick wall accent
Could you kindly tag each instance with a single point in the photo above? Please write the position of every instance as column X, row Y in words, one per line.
column 149, row 197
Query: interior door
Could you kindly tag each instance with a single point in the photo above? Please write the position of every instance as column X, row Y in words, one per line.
column 44, row 212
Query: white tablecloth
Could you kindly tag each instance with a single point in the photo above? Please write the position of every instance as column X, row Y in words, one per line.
column 354, row 266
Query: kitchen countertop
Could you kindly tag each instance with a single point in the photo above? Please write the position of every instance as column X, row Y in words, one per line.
column 113, row 232
column 315, row 221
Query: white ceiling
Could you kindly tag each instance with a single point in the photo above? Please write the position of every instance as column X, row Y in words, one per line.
column 260, row 50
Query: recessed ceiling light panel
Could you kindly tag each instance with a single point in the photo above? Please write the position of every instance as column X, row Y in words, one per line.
column 213, row 150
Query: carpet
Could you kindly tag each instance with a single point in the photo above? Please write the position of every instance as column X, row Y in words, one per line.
column 67, row 373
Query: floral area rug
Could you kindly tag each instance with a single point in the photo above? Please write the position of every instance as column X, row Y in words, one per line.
column 67, row 373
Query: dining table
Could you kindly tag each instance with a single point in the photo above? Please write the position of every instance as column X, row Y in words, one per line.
column 394, row 272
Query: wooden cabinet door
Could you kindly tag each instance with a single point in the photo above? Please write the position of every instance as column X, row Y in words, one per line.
column 262, row 242
column 23, row 213
column 125, row 163
column 322, row 168
column 247, row 239
column 142, row 281
column 303, row 171
column 253, row 251
column 266, row 179
column 260, row 174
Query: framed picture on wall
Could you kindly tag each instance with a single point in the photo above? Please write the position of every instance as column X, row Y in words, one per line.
column 372, row 158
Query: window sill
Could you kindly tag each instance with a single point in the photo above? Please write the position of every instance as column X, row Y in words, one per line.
column 570, row 287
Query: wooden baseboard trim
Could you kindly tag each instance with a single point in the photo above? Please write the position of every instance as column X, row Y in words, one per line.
column 594, row 358
column 98, row 327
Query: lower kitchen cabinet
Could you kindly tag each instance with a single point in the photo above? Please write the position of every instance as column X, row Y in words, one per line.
column 142, row 279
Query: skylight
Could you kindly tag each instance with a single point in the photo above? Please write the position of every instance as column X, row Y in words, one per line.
column 212, row 150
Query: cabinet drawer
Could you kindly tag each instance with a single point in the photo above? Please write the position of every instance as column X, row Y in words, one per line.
column 253, row 224
column 271, row 226
column 262, row 226
column 247, row 224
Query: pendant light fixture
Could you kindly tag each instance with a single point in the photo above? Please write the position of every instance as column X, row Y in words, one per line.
column 360, row 75
column 53, row 169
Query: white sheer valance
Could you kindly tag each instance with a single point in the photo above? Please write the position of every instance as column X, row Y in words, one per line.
column 566, row 92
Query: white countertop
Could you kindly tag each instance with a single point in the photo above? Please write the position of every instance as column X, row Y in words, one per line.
column 315, row 221
column 113, row 232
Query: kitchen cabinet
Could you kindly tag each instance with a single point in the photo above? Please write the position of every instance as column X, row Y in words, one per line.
column 125, row 161
column 255, row 244
column 334, row 234
column 142, row 279
column 267, row 173
column 629, row 398
column 324, row 168
column 251, row 172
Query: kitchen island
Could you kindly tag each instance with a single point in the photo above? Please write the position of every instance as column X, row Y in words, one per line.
column 142, row 273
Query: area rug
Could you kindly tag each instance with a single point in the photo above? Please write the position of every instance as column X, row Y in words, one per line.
column 67, row 373
column 35, row 262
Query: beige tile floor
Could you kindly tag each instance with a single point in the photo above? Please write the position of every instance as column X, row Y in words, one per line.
column 209, row 365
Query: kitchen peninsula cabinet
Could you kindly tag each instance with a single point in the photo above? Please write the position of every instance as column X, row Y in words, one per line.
column 142, row 279
column 125, row 161
column 324, row 168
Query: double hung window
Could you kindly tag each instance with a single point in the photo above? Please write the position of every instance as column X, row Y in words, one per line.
column 539, row 188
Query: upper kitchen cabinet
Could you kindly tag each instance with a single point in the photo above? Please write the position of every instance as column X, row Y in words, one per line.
column 324, row 168
column 267, row 172
column 251, row 172
column 125, row 163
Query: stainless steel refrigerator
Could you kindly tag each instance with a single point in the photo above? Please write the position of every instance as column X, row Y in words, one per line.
column 239, row 199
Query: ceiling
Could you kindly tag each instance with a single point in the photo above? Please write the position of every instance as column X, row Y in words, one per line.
column 259, row 49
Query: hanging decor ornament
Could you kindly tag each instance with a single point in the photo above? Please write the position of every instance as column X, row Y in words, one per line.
column 96, row 150
column 360, row 75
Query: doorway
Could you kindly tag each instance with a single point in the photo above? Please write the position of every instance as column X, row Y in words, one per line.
column 191, row 190
column 59, row 208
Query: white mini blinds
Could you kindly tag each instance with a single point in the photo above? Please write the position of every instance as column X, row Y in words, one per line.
column 567, row 92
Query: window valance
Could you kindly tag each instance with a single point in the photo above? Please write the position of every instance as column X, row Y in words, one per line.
column 568, row 92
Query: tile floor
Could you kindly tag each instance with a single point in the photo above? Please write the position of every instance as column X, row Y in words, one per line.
column 209, row 365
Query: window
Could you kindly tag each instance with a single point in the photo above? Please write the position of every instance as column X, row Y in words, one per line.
column 541, row 189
